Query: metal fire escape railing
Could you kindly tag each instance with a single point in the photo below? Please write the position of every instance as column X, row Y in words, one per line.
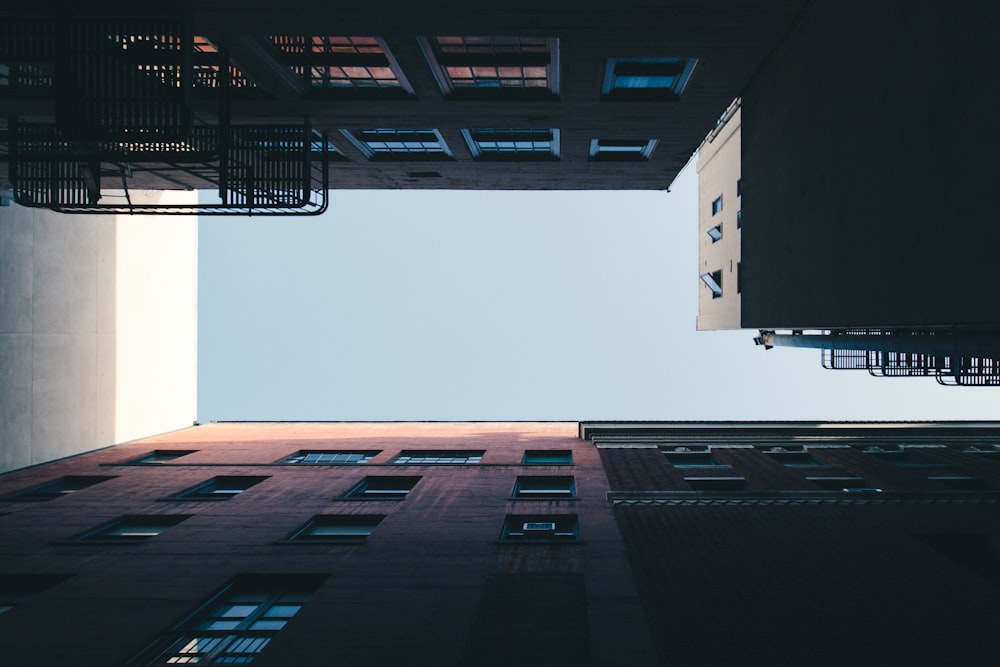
column 124, row 115
column 957, row 357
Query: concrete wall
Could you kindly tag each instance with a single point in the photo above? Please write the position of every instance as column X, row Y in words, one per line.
column 97, row 330
column 718, row 176
column 867, row 145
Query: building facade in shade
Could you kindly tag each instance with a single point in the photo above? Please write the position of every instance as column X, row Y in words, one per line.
column 572, row 96
column 508, row 544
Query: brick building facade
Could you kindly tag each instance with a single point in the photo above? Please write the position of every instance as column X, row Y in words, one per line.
column 504, row 544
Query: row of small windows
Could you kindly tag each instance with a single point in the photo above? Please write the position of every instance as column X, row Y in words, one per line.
column 334, row 528
column 372, row 487
column 361, row 456
column 702, row 458
column 486, row 144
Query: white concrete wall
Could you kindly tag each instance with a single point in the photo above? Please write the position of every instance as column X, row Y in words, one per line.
column 98, row 330
column 718, row 173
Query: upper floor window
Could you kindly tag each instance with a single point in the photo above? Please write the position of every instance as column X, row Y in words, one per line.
column 58, row 487
column 647, row 78
column 512, row 144
column 161, row 456
column 330, row 456
column 488, row 67
column 544, row 486
column 717, row 205
column 548, row 457
column 713, row 281
column 540, row 528
column 343, row 64
column 621, row 150
column 132, row 529
column 382, row 487
column 236, row 625
column 220, row 488
column 337, row 528
column 402, row 144
column 439, row 457
column 16, row 589
column 715, row 233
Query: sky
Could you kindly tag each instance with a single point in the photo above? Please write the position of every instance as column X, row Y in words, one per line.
column 400, row 305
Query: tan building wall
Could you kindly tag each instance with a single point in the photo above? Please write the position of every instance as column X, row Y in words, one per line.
column 719, row 231
column 98, row 330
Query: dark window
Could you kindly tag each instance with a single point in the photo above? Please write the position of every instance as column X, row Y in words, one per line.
column 17, row 589
column 330, row 456
column 540, row 528
column 647, row 78
column 343, row 65
column 512, row 143
column 235, row 625
column 551, row 457
column 713, row 281
column 739, row 187
column 739, row 219
column 57, row 488
column 959, row 482
column 133, row 528
column 689, row 457
column 793, row 458
column 717, row 205
column 220, row 488
column 392, row 487
column 329, row 528
column 990, row 452
column 544, row 486
column 717, row 483
column 839, row 483
column 621, row 150
column 439, row 457
column 399, row 144
column 715, row 233
column 163, row 456
column 897, row 456
column 491, row 67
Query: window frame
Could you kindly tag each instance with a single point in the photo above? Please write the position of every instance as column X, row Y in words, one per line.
column 544, row 487
column 367, row 454
column 161, row 456
column 104, row 532
column 546, row 457
column 479, row 153
column 303, row 534
column 200, row 492
column 566, row 529
column 439, row 62
column 303, row 60
column 386, row 487
column 404, row 457
column 356, row 137
column 713, row 281
column 610, row 154
column 40, row 492
column 610, row 89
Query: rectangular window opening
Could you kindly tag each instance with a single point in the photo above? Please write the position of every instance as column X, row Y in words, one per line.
column 647, row 78
column 540, row 528
column 382, row 487
column 133, row 528
column 717, row 205
column 161, row 456
column 337, row 528
column 331, row 457
column 544, row 487
column 512, row 143
column 715, row 233
column 220, row 488
column 439, row 457
column 713, row 281
column 557, row 457
column 399, row 144
column 621, row 150
column 494, row 67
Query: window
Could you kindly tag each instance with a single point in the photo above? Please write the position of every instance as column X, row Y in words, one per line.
column 739, row 187
column 331, row 457
column 133, row 528
column 739, row 219
column 439, row 457
column 687, row 456
column 647, row 78
column 838, row 483
column 330, row 528
column 235, row 625
column 17, row 589
column 545, row 487
column 959, row 482
column 540, row 528
column 57, row 488
column 715, row 233
column 220, row 488
column 392, row 487
column 717, row 205
column 512, row 144
column 357, row 66
column 717, row 483
column 163, row 456
column 714, row 282
column 391, row 144
column 897, row 456
column 990, row 452
column 491, row 67
column 548, row 457
column 792, row 457
column 621, row 150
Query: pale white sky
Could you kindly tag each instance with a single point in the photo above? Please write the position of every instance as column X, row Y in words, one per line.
column 465, row 305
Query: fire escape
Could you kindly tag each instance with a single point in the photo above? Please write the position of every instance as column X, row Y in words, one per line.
column 122, row 105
